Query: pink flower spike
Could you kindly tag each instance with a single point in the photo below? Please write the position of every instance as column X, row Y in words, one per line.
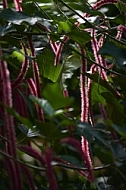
column 123, row 29
column 9, row 122
column 49, row 170
column 32, row 87
column 101, row 3
column 83, row 151
column 36, row 79
column 32, row 152
column 28, row 177
column 59, row 50
column 23, row 72
column 17, row 5
column 5, row 4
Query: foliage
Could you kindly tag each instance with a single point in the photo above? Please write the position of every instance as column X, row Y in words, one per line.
column 63, row 95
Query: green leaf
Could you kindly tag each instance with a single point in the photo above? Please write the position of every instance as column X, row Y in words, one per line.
column 122, row 6
column 116, row 51
column 120, row 130
column 44, row 104
column 114, row 108
column 102, row 84
column 79, row 37
column 64, row 26
column 96, row 93
column 19, row 55
column 49, row 130
column 85, row 129
column 17, row 17
column 46, row 65
column 6, row 30
column 118, row 151
column 54, row 95
column 21, row 119
column 71, row 64
column 71, row 159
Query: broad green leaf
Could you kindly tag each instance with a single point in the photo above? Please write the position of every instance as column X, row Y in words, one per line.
column 79, row 37
column 120, row 130
column 122, row 6
column 118, row 151
column 17, row 17
column 64, row 26
column 6, row 30
column 119, row 19
column 114, row 108
column 96, row 91
column 71, row 64
column 46, row 65
column 71, row 159
column 116, row 51
column 120, row 82
column 54, row 95
column 102, row 84
column 85, row 129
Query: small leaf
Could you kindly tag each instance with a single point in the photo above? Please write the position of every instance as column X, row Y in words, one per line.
column 64, row 26
column 79, row 37
column 44, row 104
column 54, row 95
column 46, row 65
